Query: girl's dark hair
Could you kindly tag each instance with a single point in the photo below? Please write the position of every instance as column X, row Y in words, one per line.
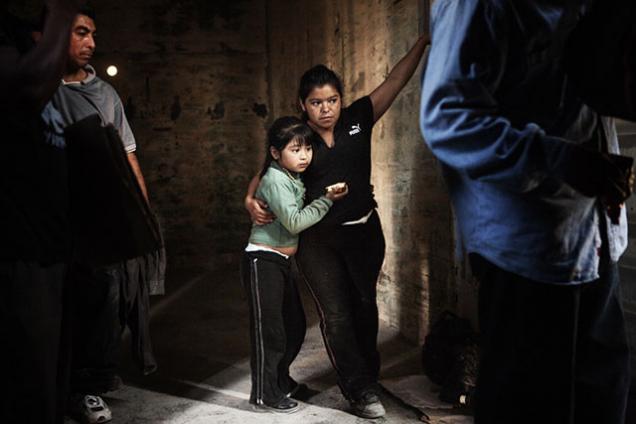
column 282, row 132
column 318, row 76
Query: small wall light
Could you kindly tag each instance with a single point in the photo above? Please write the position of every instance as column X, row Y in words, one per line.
column 111, row 70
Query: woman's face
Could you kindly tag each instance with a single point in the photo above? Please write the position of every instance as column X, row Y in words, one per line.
column 323, row 106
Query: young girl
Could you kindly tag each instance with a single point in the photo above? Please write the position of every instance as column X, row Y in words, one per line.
column 277, row 320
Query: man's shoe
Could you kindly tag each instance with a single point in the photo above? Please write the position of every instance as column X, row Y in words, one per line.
column 89, row 409
column 367, row 405
column 285, row 406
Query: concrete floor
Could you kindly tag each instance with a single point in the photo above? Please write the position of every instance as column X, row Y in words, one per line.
column 200, row 336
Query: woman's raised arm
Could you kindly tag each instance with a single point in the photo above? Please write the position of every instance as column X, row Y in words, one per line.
column 384, row 95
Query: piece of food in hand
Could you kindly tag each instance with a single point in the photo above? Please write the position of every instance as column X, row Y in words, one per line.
column 336, row 188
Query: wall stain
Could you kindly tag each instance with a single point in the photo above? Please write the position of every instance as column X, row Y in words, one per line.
column 161, row 47
column 177, row 17
column 359, row 82
column 260, row 109
column 183, row 22
column 166, row 173
column 147, row 88
column 229, row 51
column 175, row 109
column 229, row 10
column 218, row 112
column 130, row 109
column 175, row 199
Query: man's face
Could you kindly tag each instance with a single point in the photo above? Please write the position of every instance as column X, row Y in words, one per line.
column 82, row 43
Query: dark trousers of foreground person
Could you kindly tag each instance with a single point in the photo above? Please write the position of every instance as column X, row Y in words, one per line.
column 97, row 329
column 341, row 268
column 35, row 342
column 550, row 354
column 106, row 299
column 277, row 324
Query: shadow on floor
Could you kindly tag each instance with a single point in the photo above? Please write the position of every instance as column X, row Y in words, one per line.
column 200, row 337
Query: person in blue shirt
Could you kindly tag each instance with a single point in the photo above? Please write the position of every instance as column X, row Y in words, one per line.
column 537, row 187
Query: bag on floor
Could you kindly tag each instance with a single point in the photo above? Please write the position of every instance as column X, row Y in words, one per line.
column 450, row 358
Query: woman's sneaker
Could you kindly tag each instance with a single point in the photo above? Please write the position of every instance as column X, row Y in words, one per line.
column 285, row 406
column 89, row 409
column 367, row 405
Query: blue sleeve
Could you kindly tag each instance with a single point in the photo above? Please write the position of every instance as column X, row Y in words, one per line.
column 459, row 112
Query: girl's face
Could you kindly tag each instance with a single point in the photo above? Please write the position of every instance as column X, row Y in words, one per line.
column 295, row 157
column 323, row 106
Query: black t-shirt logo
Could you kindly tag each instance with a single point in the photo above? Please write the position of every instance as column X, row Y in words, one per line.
column 355, row 129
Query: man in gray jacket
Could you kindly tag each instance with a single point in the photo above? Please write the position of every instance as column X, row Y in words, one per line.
column 102, row 294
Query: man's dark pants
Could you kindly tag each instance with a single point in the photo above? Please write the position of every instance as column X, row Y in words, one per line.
column 106, row 299
column 34, row 333
column 550, row 353
column 97, row 328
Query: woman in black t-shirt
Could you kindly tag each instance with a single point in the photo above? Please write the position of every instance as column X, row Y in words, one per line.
column 341, row 256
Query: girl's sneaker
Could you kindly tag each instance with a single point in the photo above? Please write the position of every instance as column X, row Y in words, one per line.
column 89, row 409
column 285, row 406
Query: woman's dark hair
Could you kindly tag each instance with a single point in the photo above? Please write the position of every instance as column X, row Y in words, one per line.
column 283, row 131
column 318, row 76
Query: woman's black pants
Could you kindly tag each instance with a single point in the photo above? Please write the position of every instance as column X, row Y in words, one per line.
column 341, row 267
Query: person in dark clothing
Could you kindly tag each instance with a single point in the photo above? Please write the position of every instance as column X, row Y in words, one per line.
column 106, row 297
column 538, row 189
column 33, row 221
column 341, row 256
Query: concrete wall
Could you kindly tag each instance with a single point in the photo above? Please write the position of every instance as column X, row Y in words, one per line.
column 202, row 79
column 362, row 41
column 192, row 74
